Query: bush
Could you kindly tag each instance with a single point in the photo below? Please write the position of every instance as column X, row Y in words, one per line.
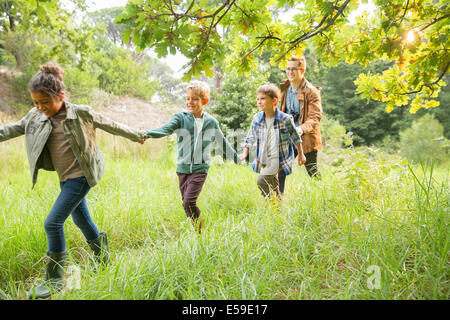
column 101, row 99
column 236, row 105
column 20, row 84
column 2, row 56
column 122, row 75
column 80, row 85
column 424, row 141
column 333, row 133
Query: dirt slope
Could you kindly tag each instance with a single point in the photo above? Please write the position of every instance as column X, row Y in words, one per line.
column 7, row 95
column 138, row 113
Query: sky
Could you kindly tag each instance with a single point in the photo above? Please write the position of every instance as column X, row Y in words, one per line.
column 101, row 4
column 177, row 61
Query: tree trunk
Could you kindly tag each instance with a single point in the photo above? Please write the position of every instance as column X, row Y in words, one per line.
column 12, row 24
column 217, row 78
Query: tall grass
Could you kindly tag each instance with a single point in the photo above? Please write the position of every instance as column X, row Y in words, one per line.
column 366, row 214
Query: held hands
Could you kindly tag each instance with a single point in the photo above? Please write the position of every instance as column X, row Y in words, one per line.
column 142, row 140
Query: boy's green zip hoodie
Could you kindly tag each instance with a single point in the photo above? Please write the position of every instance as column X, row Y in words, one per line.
column 194, row 154
column 79, row 128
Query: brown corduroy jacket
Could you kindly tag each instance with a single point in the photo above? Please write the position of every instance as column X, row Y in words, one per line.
column 310, row 114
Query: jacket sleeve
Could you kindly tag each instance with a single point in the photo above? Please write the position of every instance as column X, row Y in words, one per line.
column 13, row 130
column 314, row 115
column 115, row 128
column 167, row 129
column 296, row 139
column 250, row 139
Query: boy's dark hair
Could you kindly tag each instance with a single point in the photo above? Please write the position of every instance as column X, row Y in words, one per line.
column 269, row 89
column 49, row 80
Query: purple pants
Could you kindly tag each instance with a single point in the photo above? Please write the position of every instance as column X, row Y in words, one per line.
column 190, row 188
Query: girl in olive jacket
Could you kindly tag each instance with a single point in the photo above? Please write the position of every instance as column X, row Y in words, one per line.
column 60, row 137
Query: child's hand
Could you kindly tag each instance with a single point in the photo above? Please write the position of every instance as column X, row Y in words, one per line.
column 143, row 140
column 244, row 155
column 301, row 159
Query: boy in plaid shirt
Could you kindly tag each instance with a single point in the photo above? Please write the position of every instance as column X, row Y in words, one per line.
column 276, row 137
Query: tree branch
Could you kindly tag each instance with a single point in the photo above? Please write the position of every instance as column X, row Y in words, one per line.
column 305, row 36
column 226, row 11
column 404, row 12
column 178, row 16
column 430, row 84
column 213, row 25
column 435, row 20
column 190, row 7
column 316, row 30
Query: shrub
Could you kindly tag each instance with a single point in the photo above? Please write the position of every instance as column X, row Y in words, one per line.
column 20, row 84
column 236, row 105
column 80, row 85
column 424, row 141
column 122, row 75
column 333, row 133
column 100, row 99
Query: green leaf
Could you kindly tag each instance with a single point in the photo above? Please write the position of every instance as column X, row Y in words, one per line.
column 126, row 35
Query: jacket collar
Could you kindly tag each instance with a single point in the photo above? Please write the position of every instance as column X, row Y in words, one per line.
column 206, row 115
column 69, row 109
column 285, row 85
column 262, row 115
column 43, row 117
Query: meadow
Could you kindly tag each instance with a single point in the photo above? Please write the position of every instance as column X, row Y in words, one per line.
column 374, row 227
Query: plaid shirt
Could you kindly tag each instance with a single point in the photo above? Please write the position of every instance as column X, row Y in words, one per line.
column 286, row 137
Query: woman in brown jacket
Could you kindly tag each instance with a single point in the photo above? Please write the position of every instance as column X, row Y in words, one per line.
column 302, row 100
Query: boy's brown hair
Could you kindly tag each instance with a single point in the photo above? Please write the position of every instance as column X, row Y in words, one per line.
column 199, row 87
column 301, row 61
column 270, row 90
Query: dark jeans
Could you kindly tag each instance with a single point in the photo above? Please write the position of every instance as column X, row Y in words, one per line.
column 71, row 201
column 190, row 188
column 310, row 165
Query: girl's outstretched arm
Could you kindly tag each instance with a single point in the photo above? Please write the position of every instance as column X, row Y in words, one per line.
column 13, row 130
column 116, row 128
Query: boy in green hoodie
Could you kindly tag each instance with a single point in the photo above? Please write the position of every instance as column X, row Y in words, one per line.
column 195, row 130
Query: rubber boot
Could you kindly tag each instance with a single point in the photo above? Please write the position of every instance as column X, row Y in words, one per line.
column 53, row 276
column 100, row 248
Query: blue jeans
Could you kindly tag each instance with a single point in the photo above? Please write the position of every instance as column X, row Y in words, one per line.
column 71, row 201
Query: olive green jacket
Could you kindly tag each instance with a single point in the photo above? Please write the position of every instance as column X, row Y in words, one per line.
column 79, row 128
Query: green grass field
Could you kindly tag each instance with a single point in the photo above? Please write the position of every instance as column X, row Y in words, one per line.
column 371, row 229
